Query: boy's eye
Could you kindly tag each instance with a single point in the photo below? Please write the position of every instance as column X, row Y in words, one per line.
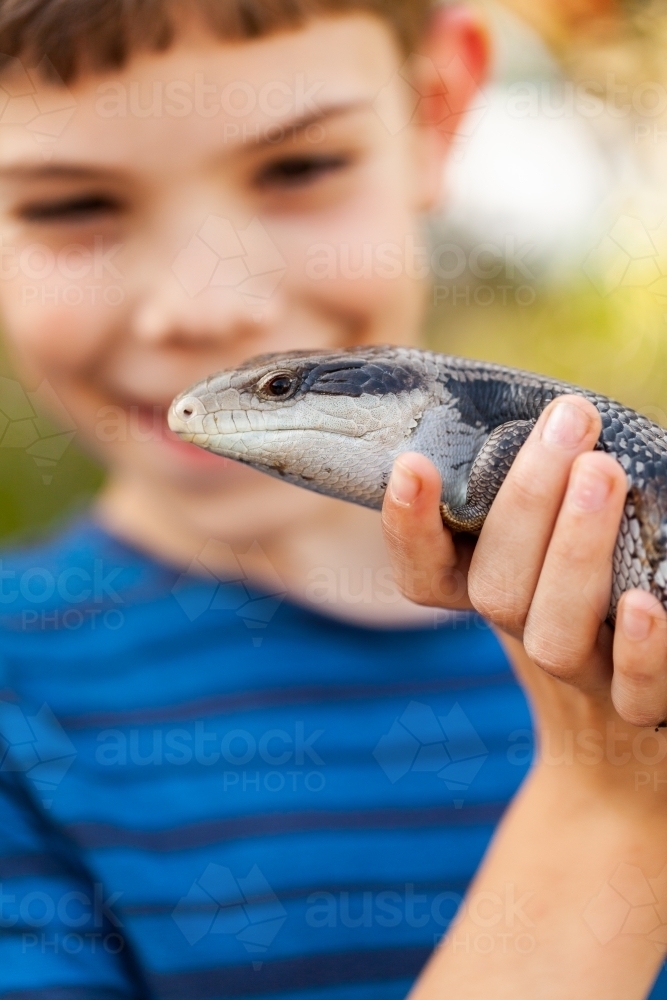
column 293, row 171
column 72, row 209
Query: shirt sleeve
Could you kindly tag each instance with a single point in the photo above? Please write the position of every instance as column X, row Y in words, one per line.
column 59, row 937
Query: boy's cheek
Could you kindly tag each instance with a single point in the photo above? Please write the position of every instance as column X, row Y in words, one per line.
column 56, row 292
column 379, row 286
column 45, row 331
column 371, row 259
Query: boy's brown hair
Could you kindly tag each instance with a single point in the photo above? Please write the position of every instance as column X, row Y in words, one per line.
column 80, row 35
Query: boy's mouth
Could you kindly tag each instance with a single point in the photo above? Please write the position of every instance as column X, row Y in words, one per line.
column 147, row 424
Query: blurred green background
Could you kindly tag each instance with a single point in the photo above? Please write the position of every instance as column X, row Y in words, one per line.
column 43, row 475
column 615, row 344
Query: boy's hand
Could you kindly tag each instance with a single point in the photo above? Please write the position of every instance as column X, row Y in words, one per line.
column 541, row 569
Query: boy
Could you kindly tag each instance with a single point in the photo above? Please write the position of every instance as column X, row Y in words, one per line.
column 230, row 775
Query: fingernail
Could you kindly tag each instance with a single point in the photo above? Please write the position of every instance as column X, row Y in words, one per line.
column 636, row 623
column 404, row 485
column 590, row 489
column 566, row 426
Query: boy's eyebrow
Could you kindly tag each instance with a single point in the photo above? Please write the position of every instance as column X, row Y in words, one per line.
column 303, row 122
column 77, row 171
column 49, row 171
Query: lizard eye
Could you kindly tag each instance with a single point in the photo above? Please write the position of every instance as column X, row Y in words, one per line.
column 278, row 385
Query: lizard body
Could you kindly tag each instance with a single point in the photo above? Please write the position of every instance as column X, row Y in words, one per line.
column 335, row 422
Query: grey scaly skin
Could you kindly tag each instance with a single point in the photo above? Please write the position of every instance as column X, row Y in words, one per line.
column 335, row 422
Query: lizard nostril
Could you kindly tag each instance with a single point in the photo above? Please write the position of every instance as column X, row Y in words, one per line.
column 189, row 407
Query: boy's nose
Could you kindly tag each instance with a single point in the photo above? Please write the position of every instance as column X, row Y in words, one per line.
column 168, row 313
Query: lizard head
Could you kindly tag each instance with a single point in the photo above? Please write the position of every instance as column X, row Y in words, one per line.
column 331, row 422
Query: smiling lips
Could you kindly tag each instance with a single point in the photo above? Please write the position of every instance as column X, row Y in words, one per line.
column 148, row 424
column 190, row 451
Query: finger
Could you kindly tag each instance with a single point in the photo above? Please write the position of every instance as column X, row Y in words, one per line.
column 422, row 552
column 571, row 600
column 514, row 540
column 639, row 684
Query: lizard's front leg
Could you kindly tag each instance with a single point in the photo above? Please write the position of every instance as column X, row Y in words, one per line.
column 488, row 471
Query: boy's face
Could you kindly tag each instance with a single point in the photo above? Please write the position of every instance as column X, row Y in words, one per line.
column 203, row 205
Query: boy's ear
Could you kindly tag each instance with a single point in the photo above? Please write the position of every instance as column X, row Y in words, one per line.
column 447, row 72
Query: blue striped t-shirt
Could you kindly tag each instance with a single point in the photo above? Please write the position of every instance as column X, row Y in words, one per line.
column 209, row 792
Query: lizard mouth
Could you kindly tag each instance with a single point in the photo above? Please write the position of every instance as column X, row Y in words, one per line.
column 231, row 438
column 187, row 417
